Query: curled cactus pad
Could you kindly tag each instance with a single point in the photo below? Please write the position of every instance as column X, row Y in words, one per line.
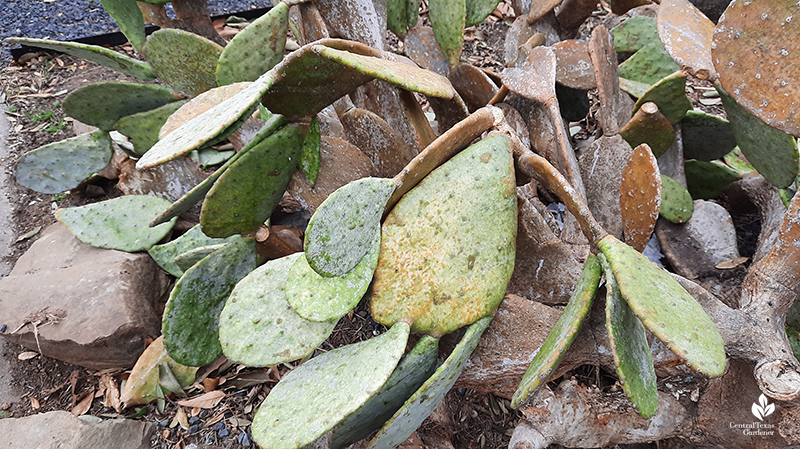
column 447, row 249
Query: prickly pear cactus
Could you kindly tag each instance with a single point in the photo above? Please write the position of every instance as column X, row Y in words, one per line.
column 448, row 18
column 164, row 255
column 707, row 180
column 129, row 19
column 185, row 61
column 142, row 128
column 310, row 157
column 669, row 94
column 649, row 64
column 103, row 104
column 676, row 202
column 634, row 34
column 63, row 165
column 706, row 137
column 119, row 223
column 142, row 386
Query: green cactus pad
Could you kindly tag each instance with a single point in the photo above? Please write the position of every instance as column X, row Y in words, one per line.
column 119, row 223
column 707, row 180
column 410, row 374
column 310, row 157
column 631, row 352
column 669, row 94
column 142, row 386
column 447, row 250
column 189, row 258
column 258, row 327
column 665, row 308
column 676, row 202
column 129, row 19
column 320, row 393
column 771, row 151
column 164, row 255
column 208, row 157
column 142, row 128
column 562, row 334
column 100, row 55
column 706, row 137
column 185, row 61
column 425, row 400
column 199, row 191
column 634, row 34
column 206, row 126
column 401, row 15
column 736, row 160
column 191, row 316
column 448, row 18
column 340, row 232
column 648, row 65
column 255, row 49
column 478, row 10
column 63, row 165
column 103, row 104
column 245, row 194
column 635, row 88
column 319, row 298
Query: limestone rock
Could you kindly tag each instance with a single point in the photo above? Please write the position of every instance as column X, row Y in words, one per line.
column 94, row 307
column 61, row 430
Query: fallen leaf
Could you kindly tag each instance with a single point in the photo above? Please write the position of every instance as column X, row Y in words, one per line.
column 34, row 403
column 207, row 400
column 27, row 355
column 108, row 383
column 210, row 384
column 217, row 418
column 239, row 422
column 731, row 263
column 183, row 420
column 84, row 405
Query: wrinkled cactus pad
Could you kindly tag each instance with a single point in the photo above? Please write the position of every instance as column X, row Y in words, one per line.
column 185, row 61
column 669, row 94
column 320, row 393
column 630, row 349
column 649, row 64
column 410, row 374
column 258, row 327
column 142, row 386
column 245, row 194
column 666, row 309
column 676, row 202
column 447, row 250
column 634, row 34
column 99, row 55
column 191, row 316
column 707, row 180
column 63, row 165
column 142, row 128
column 119, row 223
column 706, row 137
column 255, row 49
column 341, row 231
column 164, row 255
column 102, row 104
column 562, row 334
column 425, row 400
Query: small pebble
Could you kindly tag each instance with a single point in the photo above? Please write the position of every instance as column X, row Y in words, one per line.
column 163, row 423
column 193, row 429
column 3, row 328
column 194, row 420
column 223, row 432
column 243, row 439
column 220, row 425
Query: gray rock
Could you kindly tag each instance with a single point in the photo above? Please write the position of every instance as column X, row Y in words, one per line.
column 94, row 307
column 61, row 430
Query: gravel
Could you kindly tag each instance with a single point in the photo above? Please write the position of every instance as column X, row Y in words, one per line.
column 67, row 20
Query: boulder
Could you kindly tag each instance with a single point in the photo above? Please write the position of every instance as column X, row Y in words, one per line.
column 59, row 429
column 87, row 306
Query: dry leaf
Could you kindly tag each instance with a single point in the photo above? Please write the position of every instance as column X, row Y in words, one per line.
column 84, row 405
column 207, row 400
column 183, row 420
column 239, row 422
column 210, row 384
column 731, row 263
column 217, row 418
column 34, row 403
column 109, row 384
column 27, row 355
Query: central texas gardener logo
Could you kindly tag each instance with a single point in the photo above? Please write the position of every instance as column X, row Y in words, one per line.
column 763, row 408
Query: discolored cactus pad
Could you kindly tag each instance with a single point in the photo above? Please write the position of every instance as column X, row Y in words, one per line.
column 319, row 298
column 185, row 61
column 142, row 386
column 129, row 19
column 447, row 250
column 649, row 64
column 706, row 137
column 191, row 316
column 687, row 33
column 669, row 94
column 164, row 255
column 142, row 128
column 631, row 352
column 258, row 327
column 707, row 180
column 255, row 49
column 425, row 400
column 634, row 34
column 666, row 309
column 100, row 55
column 102, row 104
column 320, row 393
column 341, row 231
column 448, row 18
column 562, row 334
column 244, row 196
column 640, row 197
column 573, row 65
column 119, row 223
column 63, row 165
column 676, row 202
column 199, row 105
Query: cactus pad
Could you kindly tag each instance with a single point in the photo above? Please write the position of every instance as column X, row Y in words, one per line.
column 634, row 34
column 562, row 334
column 666, row 309
column 687, row 34
column 676, row 202
column 199, row 105
column 257, row 327
column 142, row 386
column 448, row 18
column 640, row 197
column 119, row 223
column 320, row 393
column 706, row 137
column 447, row 250
column 245, row 194
column 129, row 19
column 771, row 151
column 63, row 165
column 401, row 15
column 341, row 231
column 649, row 126
column 191, row 316
column 736, row 160
column 102, row 104
column 255, row 49
column 707, row 180
column 164, row 255
column 669, row 94
column 310, row 157
column 478, row 10
column 425, row 400
column 410, row 374
column 189, row 258
column 100, row 55
column 319, row 298
column 185, row 61
column 632, row 356
column 649, row 64
column 142, row 128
